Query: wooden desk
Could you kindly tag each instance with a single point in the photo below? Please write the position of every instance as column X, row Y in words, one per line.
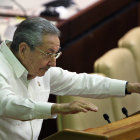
column 126, row 129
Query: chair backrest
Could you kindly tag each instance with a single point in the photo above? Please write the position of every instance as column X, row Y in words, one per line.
column 131, row 41
column 119, row 63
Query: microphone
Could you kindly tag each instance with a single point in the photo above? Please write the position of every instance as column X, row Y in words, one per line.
column 106, row 117
column 125, row 112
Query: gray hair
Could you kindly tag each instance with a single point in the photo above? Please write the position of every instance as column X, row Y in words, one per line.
column 31, row 31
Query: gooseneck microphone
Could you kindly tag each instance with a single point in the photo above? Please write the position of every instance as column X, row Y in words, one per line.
column 125, row 112
column 106, row 117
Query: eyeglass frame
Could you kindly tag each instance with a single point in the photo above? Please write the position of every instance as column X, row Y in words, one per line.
column 56, row 55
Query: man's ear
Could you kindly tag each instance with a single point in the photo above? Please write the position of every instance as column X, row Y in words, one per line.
column 23, row 49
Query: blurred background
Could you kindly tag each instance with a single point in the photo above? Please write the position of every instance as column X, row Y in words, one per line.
column 12, row 11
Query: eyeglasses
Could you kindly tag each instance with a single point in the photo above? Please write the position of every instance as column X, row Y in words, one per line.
column 50, row 55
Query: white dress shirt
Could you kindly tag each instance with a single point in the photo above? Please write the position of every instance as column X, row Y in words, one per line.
column 23, row 103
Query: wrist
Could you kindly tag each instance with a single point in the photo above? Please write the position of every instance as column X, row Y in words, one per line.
column 55, row 109
column 128, row 88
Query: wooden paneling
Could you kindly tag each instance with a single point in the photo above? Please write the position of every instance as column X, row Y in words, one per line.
column 88, row 17
column 80, row 53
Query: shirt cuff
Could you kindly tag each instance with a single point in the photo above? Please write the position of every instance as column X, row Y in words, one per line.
column 117, row 87
column 43, row 110
column 126, row 91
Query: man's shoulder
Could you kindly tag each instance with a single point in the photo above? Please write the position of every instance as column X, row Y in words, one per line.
column 53, row 72
column 52, row 69
column 58, row 72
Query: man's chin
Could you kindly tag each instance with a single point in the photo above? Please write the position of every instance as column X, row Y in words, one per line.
column 40, row 75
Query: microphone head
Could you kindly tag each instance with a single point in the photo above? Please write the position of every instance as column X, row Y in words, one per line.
column 124, row 110
column 106, row 117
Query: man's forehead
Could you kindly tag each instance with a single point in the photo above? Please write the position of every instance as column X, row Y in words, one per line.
column 51, row 42
column 50, row 38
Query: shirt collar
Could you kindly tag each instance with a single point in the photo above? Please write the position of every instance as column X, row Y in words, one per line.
column 13, row 61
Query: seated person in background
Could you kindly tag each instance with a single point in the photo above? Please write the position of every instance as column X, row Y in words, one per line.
column 28, row 74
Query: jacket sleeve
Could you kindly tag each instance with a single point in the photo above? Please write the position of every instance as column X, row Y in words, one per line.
column 87, row 85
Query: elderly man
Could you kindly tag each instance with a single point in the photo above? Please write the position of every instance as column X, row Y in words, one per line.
column 28, row 75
